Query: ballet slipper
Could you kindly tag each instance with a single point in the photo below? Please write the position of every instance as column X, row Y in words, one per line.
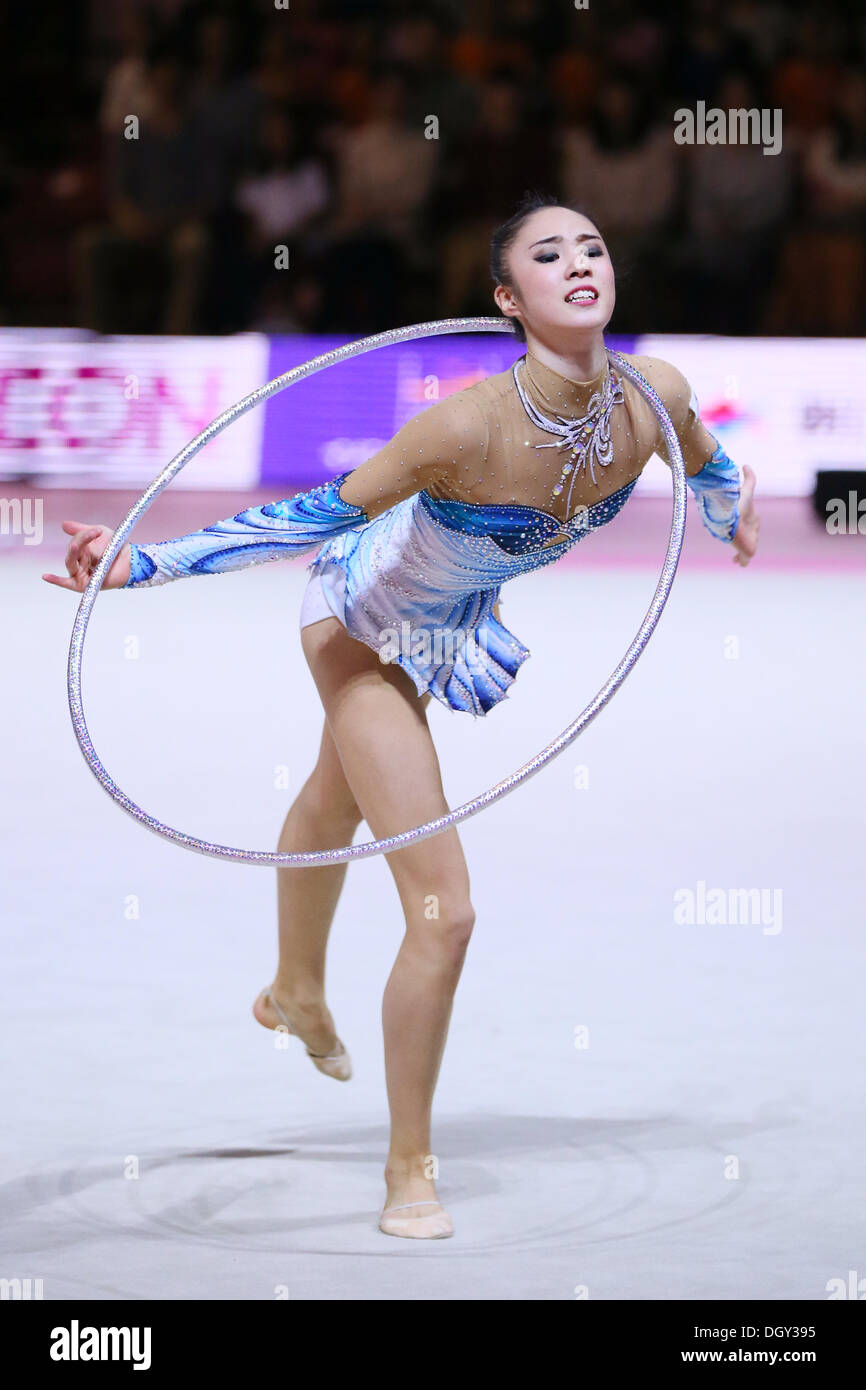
column 338, row 1064
column 434, row 1226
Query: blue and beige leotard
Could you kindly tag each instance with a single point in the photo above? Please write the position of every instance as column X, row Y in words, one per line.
column 456, row 504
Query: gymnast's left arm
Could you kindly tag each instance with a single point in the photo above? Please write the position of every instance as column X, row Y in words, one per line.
column 727, row 508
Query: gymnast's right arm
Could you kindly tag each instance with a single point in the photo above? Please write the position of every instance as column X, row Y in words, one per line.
column 424, row 451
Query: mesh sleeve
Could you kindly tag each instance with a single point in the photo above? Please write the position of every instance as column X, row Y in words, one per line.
column 447, row 436
column 713, row 478
column 252, row 537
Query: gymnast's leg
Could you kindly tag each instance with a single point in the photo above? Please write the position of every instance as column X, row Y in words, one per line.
column 324, row 815
column 380, row 729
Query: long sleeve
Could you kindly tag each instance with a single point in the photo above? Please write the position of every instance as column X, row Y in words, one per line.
column 427, row 449
column 713, row 478
column 717, row 490
column 252, row 537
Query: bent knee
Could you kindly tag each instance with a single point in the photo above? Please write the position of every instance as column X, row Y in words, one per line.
column 448, row 934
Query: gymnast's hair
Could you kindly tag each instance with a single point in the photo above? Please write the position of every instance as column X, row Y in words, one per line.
column 502, row 238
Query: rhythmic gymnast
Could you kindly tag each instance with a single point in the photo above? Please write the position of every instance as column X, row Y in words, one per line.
column 486, row 484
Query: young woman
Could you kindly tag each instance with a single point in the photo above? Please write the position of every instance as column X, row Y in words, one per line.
column 484, row 485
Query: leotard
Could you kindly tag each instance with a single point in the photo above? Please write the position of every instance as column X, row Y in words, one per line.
column 461, row 500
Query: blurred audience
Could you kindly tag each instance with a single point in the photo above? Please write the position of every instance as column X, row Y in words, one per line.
column 225, row 101
column 162, row 185
column 379, row 144
column 127, row 86
column 384, row 169
column 502, row 154
column 621, row 167
column 419, row 45
column 283, row 198
column 822, row 282
column 737, row 202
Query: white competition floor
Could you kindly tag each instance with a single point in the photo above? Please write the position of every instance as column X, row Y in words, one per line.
column 706, row 1139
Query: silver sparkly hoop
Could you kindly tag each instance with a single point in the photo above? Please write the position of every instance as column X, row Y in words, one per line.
column 478, row 803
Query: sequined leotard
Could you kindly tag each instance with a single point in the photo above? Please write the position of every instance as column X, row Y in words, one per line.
column 415, row 544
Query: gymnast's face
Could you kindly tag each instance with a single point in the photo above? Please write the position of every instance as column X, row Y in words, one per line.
column 561, row 276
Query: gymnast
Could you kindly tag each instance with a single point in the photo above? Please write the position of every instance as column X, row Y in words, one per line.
column 488, row 483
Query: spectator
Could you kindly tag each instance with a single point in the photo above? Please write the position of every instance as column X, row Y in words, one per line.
column 831, row 240
column 385, row 172
column 417, row 44
column 804, row 82
column 159, row 199
column 700, row 52
column 573, row 77
column 501, row 158
column 127, row 90
column 283, row 196
column 737, row 200
column 287, row 188
column 275, row 73
column 623, row 167
column 224, row 101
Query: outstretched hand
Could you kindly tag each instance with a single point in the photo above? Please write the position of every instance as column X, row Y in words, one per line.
column 87, row 547
column 745, row 540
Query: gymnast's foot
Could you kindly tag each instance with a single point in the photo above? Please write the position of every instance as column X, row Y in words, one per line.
column 312, row 1023
column 412, row 1208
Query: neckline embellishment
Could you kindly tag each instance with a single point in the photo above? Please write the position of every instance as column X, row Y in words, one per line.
column 587, row 436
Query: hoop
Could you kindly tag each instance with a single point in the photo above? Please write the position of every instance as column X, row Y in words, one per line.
column 478, row 803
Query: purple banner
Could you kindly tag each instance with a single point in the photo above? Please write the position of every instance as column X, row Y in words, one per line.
column 331, row 422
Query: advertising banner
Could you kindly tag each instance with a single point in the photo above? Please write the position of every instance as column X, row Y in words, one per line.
column 81, row 411
column 786, row 406
column 112, row 412
column 336, row 419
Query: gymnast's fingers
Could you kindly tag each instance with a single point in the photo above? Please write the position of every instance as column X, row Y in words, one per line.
column 81, row 531
column 62, row 583
column 79, row 548
column 77, row 554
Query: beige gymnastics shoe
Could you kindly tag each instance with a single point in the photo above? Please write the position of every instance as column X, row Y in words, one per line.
column 338, row 1064
column 431, row 1226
